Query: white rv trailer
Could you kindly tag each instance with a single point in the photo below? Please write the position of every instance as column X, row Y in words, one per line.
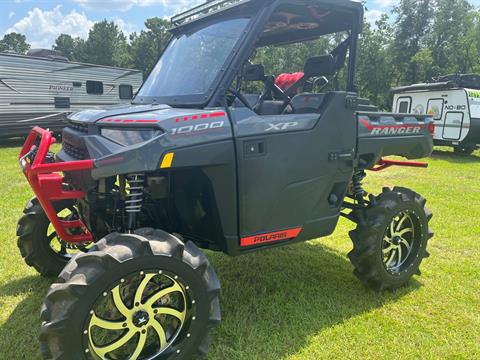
column 42, row 88
column 453, row 101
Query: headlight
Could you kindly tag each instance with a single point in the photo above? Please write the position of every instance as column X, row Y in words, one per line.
column 129, row 137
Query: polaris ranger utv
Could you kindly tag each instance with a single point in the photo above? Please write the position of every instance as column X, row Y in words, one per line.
column 122, row 211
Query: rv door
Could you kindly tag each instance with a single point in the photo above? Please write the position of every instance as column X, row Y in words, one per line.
column 452, row 129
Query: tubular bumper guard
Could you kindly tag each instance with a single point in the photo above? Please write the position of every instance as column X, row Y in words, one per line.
column 47, row 183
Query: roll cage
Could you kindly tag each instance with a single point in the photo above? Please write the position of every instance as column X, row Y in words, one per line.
column 320, row 17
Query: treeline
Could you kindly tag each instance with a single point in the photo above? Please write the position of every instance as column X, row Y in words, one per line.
column 106, row 45
column 422, row 39
column 419, row 40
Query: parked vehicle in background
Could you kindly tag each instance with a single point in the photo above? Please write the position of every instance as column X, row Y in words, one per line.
column 453, row 101
column 42, row 88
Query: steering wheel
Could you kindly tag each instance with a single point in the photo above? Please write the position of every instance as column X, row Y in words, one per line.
column 271, row 87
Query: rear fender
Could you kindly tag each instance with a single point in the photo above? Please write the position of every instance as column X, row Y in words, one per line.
column 382, row 134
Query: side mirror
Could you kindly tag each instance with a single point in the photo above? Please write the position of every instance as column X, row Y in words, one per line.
column 320, row 66
column 254, row 73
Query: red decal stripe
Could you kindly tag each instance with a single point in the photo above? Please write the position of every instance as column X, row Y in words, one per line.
column 270, row 237
column 148, row 121
column 218, row 114
column 129, row 121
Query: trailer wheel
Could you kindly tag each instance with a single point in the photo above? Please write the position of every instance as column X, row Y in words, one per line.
column 133, row 296
column 38, row 242
column 464, row 149
column 390, row 245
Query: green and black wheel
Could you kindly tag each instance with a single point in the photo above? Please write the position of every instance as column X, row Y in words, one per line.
column 133, row 296
column 391, row 243
column 39, row 243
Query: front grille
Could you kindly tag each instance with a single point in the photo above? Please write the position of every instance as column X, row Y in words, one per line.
column 83, row 128
column 77, row 153
column 73, row 142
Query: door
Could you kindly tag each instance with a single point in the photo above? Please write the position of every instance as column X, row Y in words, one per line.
column 293, row 172
column 452, row 129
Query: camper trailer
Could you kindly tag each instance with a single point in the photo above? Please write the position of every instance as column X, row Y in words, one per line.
column 43, row 87
column 453, row 101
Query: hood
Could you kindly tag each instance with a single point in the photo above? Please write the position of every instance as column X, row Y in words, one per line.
column 93, row 115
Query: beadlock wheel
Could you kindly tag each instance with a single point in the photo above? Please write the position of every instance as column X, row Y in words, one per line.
column 401, row 241
column 144, row 313
column 391, row 241
column 133, row 296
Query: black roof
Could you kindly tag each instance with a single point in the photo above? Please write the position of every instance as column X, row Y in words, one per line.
column 332, row 15
column 445, row 82
column 461, row 80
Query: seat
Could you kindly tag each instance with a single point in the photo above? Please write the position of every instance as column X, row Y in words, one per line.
column 307, row 103
column 271, row 107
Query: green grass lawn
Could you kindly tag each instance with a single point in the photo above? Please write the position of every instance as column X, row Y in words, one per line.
column 303, row 302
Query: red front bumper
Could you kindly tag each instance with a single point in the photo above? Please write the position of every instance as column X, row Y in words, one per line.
column 47, row 182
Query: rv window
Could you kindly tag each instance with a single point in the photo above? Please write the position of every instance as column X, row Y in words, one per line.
column 404, row 107
column 94, row 87
column 125, row 92
column 435, row 108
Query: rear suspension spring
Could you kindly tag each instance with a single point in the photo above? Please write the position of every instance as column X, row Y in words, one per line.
column 357, row 187
column 134, row 198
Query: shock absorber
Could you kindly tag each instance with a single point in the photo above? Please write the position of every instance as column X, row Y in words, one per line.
column 134, row 199
column 357, row 187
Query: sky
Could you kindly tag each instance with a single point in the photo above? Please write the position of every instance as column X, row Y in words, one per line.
column 43, row 20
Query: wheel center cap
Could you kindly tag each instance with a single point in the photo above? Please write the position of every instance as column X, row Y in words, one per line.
column 396, row 240
column 140, row 318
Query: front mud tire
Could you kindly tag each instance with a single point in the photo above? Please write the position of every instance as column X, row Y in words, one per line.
column 104, row 273
column 33, row 241
column 375, row 255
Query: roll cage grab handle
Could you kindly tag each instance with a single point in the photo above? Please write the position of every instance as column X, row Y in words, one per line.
column 48, row 184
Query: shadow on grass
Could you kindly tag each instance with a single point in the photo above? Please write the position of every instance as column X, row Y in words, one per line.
column 456, row 158
column 18, row 335
column 272, row 302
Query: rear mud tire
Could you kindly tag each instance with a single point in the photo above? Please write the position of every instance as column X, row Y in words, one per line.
column 33, row 242
column 370, row 239
column 91, row 277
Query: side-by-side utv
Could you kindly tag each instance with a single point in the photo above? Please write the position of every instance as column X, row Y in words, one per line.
column 196, row 161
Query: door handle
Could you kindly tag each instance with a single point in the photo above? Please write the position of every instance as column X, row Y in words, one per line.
column 341, row 156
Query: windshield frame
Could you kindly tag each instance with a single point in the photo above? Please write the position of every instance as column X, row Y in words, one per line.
column 199, row 100
column 259, row 12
